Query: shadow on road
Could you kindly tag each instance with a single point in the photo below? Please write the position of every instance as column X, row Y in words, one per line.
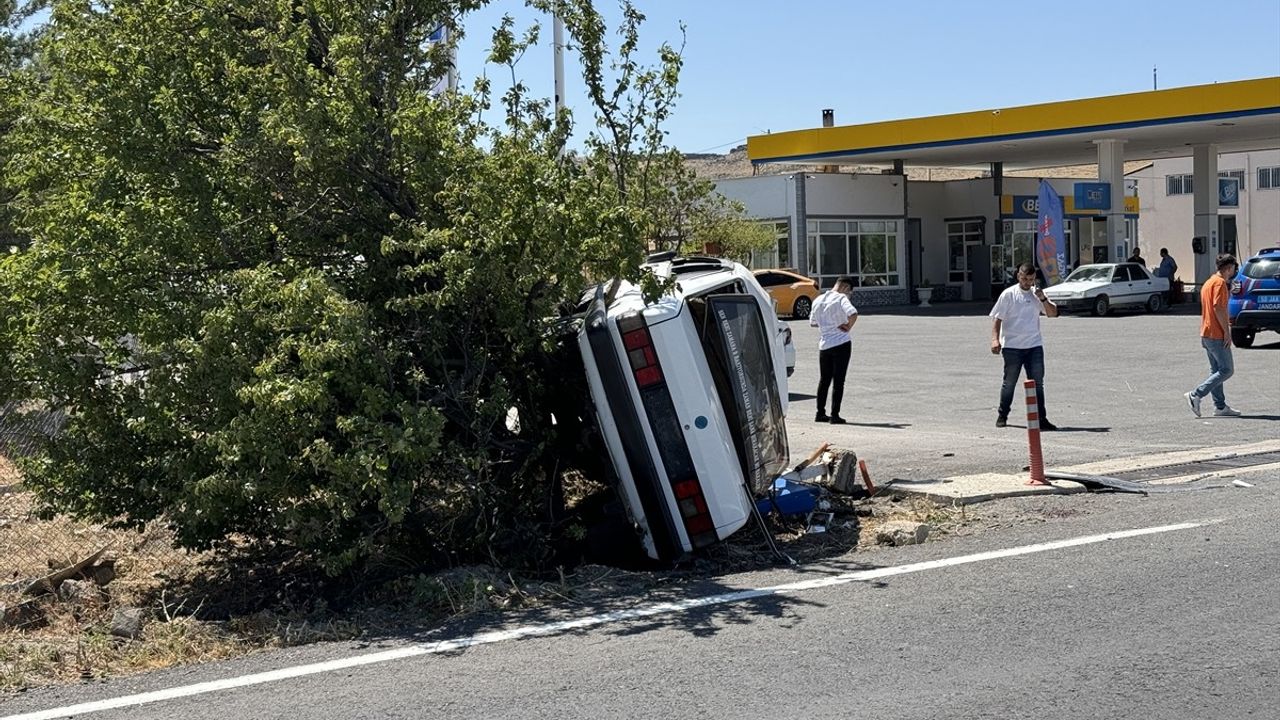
column 798, row 397
column 889, row 425
column 1068, row 429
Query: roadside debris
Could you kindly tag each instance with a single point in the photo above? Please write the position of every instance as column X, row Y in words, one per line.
column 902, row 532
column 1094, row 482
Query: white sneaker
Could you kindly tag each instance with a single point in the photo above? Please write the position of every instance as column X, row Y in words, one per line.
column 1226, row 411
column 1194, row 402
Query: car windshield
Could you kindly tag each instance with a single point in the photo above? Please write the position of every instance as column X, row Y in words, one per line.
column 1262, row 268
column 1091, row 272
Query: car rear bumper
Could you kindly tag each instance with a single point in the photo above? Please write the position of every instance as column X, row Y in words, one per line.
column 1257, row 320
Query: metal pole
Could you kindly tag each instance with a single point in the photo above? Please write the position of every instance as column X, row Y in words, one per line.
column 557, row 41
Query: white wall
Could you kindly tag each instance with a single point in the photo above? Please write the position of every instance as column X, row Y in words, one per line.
column 765, row 196
column 854, row 195
column 1168, row 220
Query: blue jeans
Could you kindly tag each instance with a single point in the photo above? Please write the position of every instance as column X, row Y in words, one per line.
column 1014, row 361
column 1221, row 367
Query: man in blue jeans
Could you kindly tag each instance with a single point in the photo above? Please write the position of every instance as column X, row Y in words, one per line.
column 1015, row 334
column 1215, row 338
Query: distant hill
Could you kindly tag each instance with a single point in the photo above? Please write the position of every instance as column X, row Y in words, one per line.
column 735, row 164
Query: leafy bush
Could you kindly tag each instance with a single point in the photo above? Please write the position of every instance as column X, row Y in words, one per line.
column 287, row 294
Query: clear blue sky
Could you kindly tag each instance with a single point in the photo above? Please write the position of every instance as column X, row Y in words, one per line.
column 753, row 66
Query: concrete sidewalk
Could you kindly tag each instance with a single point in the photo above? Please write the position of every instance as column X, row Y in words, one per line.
column 970, row 489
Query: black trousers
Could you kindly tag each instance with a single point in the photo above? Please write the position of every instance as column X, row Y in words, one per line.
column 833, row 365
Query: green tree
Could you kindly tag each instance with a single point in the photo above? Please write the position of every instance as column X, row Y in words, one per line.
column 17, row 49
column 288, row 294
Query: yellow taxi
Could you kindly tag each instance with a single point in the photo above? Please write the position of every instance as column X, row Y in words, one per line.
column 793, row 294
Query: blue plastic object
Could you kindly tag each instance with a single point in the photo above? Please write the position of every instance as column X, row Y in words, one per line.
column 789, row 498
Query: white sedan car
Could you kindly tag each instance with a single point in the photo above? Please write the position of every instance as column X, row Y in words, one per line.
column 1101, row 287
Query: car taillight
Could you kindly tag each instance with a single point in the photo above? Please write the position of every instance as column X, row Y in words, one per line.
column 667, row 433
column 640, row 354
column 1236, row 287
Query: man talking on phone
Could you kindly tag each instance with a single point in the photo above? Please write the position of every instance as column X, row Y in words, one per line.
column 834, row 315
column 1015, row 334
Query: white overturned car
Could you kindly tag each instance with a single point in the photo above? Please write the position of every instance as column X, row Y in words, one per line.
column 1099, row 288
column 689, row 394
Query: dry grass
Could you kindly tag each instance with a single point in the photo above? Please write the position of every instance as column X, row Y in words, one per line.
column 177, row 589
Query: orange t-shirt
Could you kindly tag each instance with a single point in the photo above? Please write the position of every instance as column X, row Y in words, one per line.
column 1213, row 296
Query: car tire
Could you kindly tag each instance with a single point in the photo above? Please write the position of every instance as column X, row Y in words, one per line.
column 1155, row 303
column 1101, row 305
column 1242, row 338
column 801, row 308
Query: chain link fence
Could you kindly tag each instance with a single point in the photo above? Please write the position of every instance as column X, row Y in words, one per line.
column 30, row 546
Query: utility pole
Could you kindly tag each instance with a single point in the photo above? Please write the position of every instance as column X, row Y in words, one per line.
column 557, row 42
column 1154, row 84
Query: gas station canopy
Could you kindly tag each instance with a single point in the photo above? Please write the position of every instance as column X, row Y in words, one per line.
column 1233, row 116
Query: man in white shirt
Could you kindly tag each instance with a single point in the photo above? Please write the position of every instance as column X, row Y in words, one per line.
column 833, row 314
column 1015, row 334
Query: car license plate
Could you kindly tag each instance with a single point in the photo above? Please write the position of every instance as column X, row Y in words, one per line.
column 1270, row 305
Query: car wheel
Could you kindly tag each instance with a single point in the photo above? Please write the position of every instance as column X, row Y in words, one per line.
column 1154, row 303
column 802, row 307
column 1242, row 338
column 1101, row 305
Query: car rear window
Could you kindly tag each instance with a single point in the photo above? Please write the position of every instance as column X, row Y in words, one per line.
column 1261, row 268
column 739, row 354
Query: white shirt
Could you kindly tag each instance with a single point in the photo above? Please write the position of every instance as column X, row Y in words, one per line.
column 830, row 311
column 1019, row 313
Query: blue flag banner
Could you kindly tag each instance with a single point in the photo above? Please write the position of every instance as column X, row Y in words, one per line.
column 1051, row 243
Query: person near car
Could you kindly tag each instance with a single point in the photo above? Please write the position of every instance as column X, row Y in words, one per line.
column 1015, row 335
column 1136, row 257
column 1168, row 266
column 834, row 315
column 1215, row 338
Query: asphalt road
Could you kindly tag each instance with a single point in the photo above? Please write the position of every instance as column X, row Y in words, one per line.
column 1179, row 623
column 922, row 392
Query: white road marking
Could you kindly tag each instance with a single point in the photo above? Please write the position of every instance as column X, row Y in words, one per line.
column 555, row 628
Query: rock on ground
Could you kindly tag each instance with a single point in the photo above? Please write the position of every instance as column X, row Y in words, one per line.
column 902, row 532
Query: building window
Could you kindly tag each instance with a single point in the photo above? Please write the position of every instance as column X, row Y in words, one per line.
column 1237, row 174
column 780, row 254
column 1177, row 184
column 1268, row 178
column 865, row 250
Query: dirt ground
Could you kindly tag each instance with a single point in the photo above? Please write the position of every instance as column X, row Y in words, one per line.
column 201, row 610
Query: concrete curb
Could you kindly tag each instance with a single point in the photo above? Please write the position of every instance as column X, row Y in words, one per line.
column 970, row 489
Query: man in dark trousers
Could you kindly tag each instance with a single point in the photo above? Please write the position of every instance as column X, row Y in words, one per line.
column 833, row 314
column 1015, row 335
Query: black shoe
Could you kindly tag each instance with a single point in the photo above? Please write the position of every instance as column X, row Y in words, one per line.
column 837, row 420
column 821, row 417
column 1002, row 422
column 1046, row 426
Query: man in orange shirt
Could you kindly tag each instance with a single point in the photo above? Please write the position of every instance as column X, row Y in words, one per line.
column 1215, row 337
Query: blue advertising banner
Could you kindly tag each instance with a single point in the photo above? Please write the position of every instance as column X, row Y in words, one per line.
column 1093, row 196
column 1051, row 244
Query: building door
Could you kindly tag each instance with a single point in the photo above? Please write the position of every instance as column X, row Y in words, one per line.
column 914, row 252
column 964, row 246
column 1227, row 231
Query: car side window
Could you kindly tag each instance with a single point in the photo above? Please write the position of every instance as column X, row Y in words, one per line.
column 1120, row 275
column 771, row 279
column 1139, row 273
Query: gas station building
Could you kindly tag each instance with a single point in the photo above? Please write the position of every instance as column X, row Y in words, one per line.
column 965, row 237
